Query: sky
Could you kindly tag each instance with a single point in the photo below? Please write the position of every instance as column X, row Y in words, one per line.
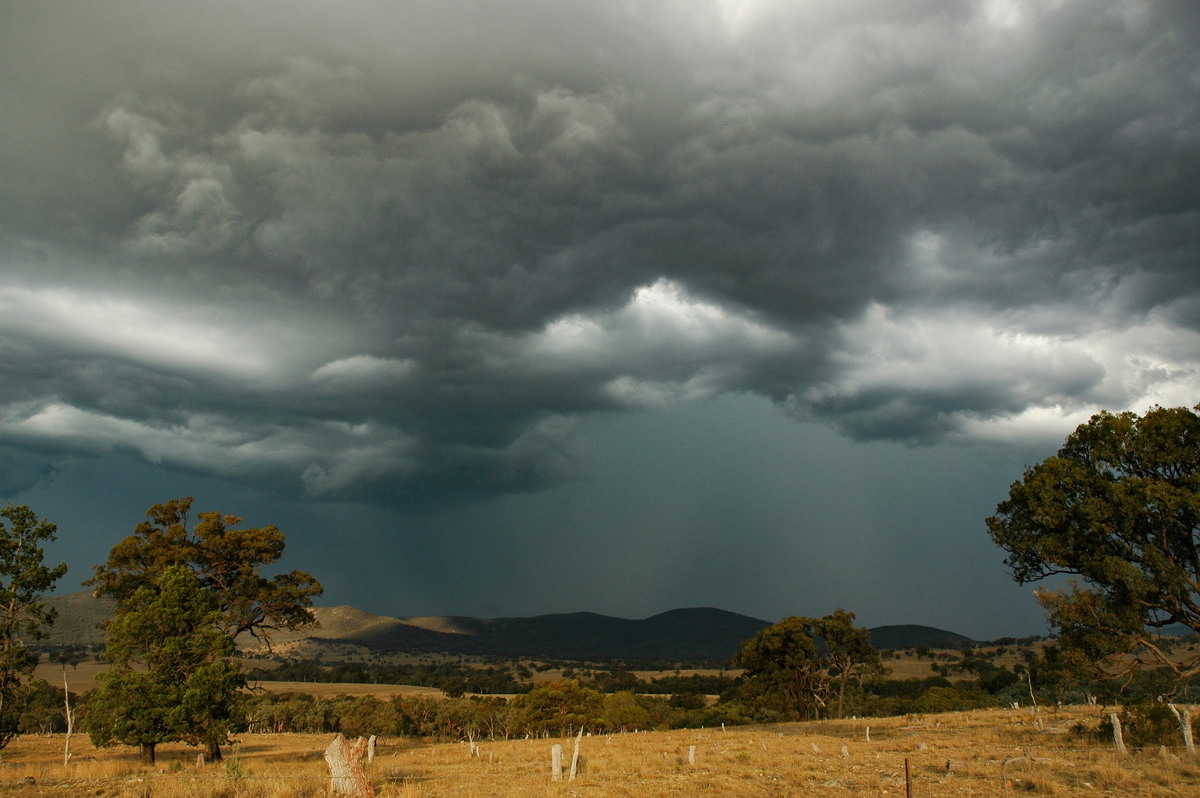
column 511, row 308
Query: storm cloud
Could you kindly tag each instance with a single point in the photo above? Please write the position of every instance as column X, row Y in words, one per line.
column 399, row 252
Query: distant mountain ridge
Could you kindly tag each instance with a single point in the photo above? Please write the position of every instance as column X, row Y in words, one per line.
column 687, row 634
column 691, row 634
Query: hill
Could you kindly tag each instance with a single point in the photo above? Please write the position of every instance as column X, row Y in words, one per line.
column 79, row 617
column 912, row 636
column 693, row 634
column 686, row 634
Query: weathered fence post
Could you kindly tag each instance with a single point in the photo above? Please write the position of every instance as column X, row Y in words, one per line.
column 371, row 749
column 692, row 755
column 346, row 776
column 556, row 762
column 1118, row 738
column 576, row 762
column 1185, row 726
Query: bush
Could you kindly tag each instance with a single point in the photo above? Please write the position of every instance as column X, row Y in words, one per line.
column 1146, row 724
column 952, row 699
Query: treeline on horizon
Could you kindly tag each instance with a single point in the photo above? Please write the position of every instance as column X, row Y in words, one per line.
column 598, row 700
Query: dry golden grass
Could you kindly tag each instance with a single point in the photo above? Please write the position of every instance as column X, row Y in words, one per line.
column 994, row 753
column 81, row 678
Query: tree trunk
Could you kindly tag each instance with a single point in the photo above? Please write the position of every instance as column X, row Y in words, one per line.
column 148, row 753
column 70, row 719
column 212, row 752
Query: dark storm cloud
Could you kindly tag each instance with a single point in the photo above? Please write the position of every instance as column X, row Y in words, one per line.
column 398, row 250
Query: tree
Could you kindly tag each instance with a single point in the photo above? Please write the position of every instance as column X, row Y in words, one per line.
column 1118, row 507
column 560, row 707
column 801, row 662
column 849, row 653
column 68, row 655
column 227, row 560
column 227, row 563
column 171, row 679
column 24, row 577
column 781, row 662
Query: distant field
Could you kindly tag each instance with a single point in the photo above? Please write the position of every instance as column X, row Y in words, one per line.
column 904, row 666
column 80, row 678
column 990, row 753
column 83, row 678
column 325, row 690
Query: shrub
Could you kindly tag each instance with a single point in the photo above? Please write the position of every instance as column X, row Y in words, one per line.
column 1146, row 724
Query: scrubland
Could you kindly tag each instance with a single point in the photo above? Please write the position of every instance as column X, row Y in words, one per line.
column 983, row 753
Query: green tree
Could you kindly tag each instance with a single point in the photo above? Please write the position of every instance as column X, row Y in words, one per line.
column 560, row 707
column 1118, row 507
column 801, row 664
column 848, row 652
column 1063, row 673
column 624, row 712
column 24, row 577
column 171, row 679
column 782, row 665
column 227, row 562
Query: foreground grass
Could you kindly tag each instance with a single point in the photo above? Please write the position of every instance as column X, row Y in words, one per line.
column 995, row 752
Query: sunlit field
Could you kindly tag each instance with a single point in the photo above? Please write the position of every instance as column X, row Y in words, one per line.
column 993, row 752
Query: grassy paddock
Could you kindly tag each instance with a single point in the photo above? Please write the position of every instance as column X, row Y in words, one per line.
column 993, row 752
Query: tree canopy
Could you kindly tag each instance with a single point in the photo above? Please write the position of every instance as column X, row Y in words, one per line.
column 24, row 577
column 1118, row 507
column 227, row 560
column 803, row 662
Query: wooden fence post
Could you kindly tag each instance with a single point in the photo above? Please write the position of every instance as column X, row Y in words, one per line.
column 1185, row 727
column 575, row 758
column 556, row 762
column 1118, row 738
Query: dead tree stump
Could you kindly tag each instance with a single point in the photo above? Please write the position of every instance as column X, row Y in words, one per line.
column 346, row 776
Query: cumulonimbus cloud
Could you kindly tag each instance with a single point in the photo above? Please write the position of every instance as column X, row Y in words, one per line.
column 402, row 264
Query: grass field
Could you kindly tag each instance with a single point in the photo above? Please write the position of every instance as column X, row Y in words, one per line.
column 994, row 752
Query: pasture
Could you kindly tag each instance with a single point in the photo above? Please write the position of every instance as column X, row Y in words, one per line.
column 982, row 753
